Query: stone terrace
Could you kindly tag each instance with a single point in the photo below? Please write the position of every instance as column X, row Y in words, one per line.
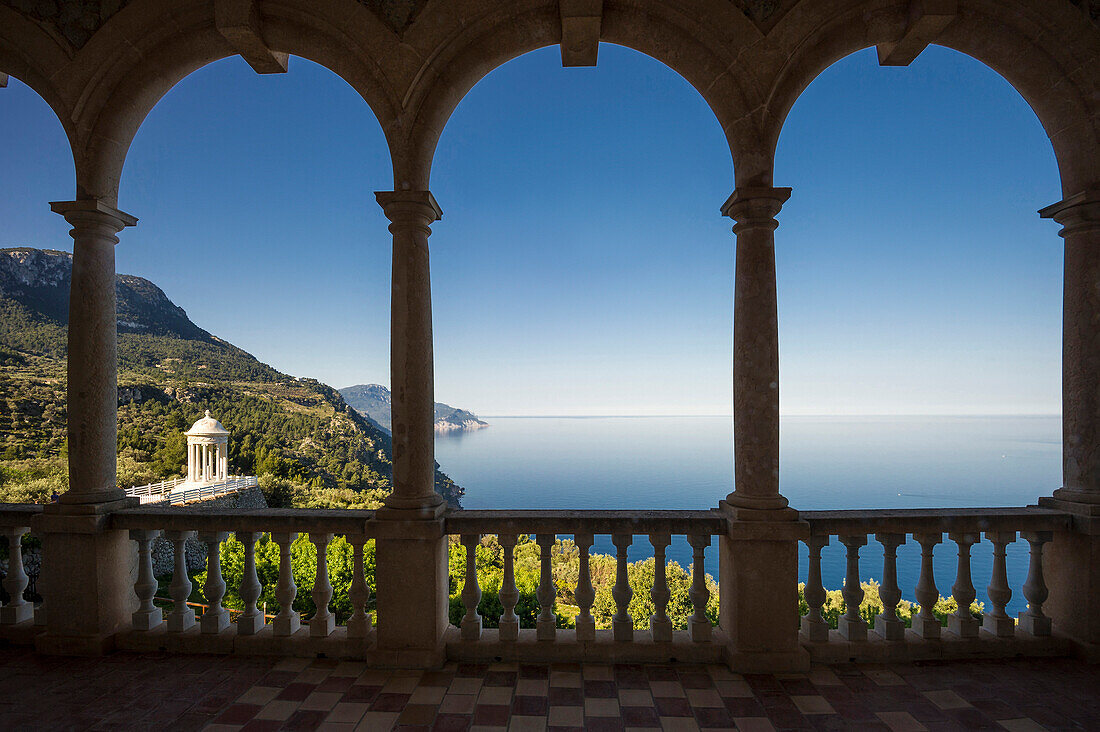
column 146, row 692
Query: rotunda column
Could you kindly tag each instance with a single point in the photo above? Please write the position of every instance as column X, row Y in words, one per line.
column 93, row 351
column 412, row 379
column 755, row 349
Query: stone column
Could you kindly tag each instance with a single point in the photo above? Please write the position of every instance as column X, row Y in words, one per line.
column 95, row 583
column 1072, row 561
column 758, row 560
column 93, row 351
column 411, row 548
column 755, row 349
column 412, row 378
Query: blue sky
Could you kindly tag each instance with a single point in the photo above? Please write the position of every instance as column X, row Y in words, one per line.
column 581, row 266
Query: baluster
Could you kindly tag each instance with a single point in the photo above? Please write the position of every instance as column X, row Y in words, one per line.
column 961, row 622
column 182, row 617
column 699, row 594
column 216, row 617
column 998, row 622
column 288, row 621
column 323, row 621
column 586, row 594
column 148, row 616
column 252, row 620
column 660, row 625
column 622, row 626
column 1035, row 587
column 814, row 625
column 359, row 624
column 18, row 609
column 887, row 623
column 509, row 595
column 926, row 625
column 471, row 591
column 546, row 627
column 851, row 625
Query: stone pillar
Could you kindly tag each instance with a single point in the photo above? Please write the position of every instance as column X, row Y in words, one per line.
column 759, row 555
column 93, row 351
column 411, row 548
column 755, row 349
column 1072, row 561
column 95, row 583
column 412, row 378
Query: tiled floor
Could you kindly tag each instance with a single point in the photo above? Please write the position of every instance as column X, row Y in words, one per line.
column 145, row 692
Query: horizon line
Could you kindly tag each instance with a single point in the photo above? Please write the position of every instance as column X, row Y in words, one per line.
column 796, row 414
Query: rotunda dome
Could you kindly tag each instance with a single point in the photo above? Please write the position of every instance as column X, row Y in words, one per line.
column 207, row 426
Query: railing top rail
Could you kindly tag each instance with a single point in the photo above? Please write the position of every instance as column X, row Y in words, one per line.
column 18, row 514
column 933, row 520
column 334, row 521
column 594, row 522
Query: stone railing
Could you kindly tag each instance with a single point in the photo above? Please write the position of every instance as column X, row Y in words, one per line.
column 995, row 634
column 660, row 643
column 177, row 629
column 15, row 523
column 288, row 633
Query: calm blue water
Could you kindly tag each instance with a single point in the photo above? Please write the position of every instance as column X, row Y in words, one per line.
column 826, row 463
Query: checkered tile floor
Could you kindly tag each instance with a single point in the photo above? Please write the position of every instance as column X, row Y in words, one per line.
column 129, row 691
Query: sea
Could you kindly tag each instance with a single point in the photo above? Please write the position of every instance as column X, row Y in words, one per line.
column 633, row 463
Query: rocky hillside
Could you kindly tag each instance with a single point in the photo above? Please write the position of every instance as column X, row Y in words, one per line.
column 309, row 447
column 373, row 402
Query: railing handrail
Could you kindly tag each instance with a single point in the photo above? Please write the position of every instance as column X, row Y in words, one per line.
column 710, row 521
column 932, row 520
column 357, row 522
column 19, row 514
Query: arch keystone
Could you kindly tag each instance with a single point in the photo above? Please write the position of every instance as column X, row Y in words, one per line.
column 927, row 19
column 580, row 31
column 239, row 23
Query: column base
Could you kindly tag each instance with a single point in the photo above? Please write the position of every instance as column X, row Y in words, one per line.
column 13, row 614
column 412, row 586
column 322, row 627
column 508, row 631
column 471, row 628
column 622, row 630
column 927, row 629
column 214, row 622
column 286, row 627
column 88, row 576
column 963, row 627
column 661, row 630
column 586, row 629
column 1034, row 625
column 147, row 620
column 891, row 630
column 815, row 631
column 546, row 630
column 1002, row 627
column 852, row 630
column 250, row 624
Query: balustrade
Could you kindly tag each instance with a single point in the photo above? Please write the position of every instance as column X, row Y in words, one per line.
column 853, row 529
column 964, row 528
column 544, row 528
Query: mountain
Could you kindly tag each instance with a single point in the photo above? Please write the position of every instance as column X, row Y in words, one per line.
column 308, row 446
column 373, row 402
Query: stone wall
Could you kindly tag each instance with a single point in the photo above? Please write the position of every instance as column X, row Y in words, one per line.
column 196, row 551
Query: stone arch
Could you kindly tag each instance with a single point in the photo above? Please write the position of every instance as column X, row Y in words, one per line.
column 28, row 53
column 113, row 105
column 1040, row 49
column 677, row 37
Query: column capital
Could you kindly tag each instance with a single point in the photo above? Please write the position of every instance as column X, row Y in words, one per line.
column 755, row 206
column 409, row 206
column 1077, row 213
column 93, row 211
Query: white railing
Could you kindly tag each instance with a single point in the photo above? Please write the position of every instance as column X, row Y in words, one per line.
column 165, row 490
column 234, row 484
column 154, row 491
